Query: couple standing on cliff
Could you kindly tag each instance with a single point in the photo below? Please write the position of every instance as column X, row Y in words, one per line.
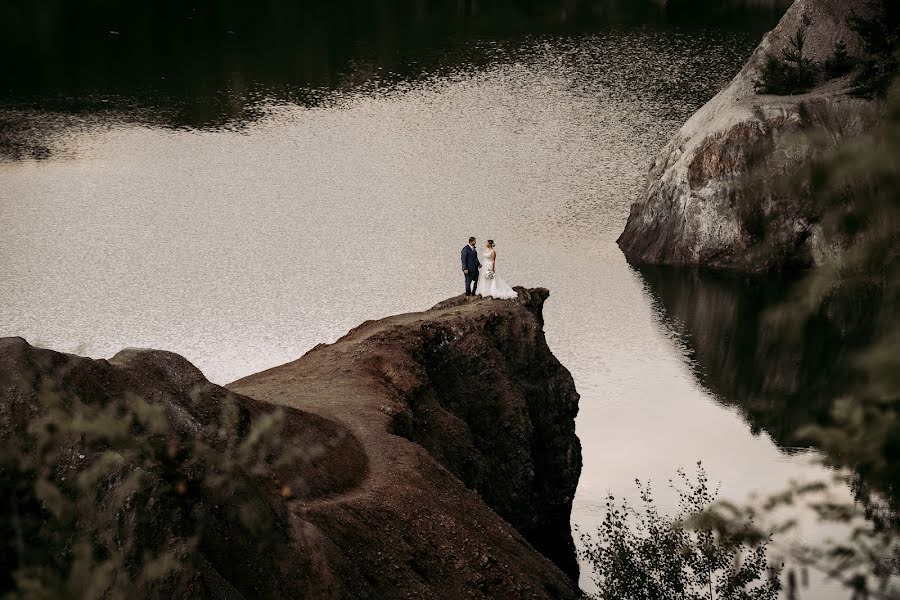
column 483, row 283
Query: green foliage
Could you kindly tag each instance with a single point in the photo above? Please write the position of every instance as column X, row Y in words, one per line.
column 643, row 555
column 840, row 63
column 879, row 31
column 866, row 559
column 857, row 195
column 114, row 501
column 880, row 35
column 854, row 190
column 791, row 73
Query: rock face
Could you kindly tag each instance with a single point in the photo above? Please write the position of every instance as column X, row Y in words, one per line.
column 703, row 203
column 448, row 457
column 228, row 562
column 459, row 408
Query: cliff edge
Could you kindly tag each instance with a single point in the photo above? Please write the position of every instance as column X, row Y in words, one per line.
column 445, row 466
column 703, row 203
column 460, row 409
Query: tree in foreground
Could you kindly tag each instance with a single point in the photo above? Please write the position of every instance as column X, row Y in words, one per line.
column 641, row 554
column 112, row 499
column 856, row 189
column 855, row 199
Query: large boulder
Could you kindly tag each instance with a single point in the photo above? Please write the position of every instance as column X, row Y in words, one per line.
column 707, row 201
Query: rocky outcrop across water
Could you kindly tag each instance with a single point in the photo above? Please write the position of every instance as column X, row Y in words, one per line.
column 445, row 461
column 705, row 201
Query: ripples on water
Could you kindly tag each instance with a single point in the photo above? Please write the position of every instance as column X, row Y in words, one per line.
column 243, row 246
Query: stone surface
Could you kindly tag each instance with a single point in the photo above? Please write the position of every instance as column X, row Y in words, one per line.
column 705, row 201
column 464, row 408
column 448, row 455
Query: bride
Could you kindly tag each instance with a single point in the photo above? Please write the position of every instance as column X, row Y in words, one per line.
column 489, row 285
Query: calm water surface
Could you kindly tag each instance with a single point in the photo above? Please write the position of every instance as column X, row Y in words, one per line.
column 244, row 242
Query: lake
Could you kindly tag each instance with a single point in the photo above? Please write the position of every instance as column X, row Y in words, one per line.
column 244, row 189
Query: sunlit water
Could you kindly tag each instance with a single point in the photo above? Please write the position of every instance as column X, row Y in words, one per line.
column 242, row 247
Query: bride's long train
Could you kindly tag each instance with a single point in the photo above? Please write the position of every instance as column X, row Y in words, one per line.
column 491, row 286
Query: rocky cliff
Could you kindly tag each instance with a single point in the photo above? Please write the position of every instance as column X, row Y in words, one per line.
column 444, row 462
column 706, row 201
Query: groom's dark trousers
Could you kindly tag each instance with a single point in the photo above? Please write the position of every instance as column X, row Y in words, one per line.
column 469, row 259
column 471, row 282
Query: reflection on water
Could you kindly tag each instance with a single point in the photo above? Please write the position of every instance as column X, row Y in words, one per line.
column 224, row 50
column 209, row 64
column 780, row 380
column 219, row 243
column 660, row 75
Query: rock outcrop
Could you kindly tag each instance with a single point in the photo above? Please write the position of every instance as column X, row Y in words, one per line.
column 463, row 406
column 150, row 518
column 446, row 466
column 703, row 203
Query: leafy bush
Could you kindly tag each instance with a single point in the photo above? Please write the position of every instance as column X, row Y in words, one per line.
column 853, row 188
column 857, row 192
column 111, row 500
column 643, row 555
column 790, row 73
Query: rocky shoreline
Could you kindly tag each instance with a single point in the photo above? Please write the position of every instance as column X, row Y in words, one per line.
column 447, row 459
column 712, row 197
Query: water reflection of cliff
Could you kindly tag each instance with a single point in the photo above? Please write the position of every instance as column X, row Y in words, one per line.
column 213, row 64
column 217, row 51
column 779, row 380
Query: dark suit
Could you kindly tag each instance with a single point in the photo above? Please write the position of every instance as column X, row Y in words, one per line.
column 470, row 263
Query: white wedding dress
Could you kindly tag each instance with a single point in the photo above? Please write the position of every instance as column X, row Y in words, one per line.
column 492, row 286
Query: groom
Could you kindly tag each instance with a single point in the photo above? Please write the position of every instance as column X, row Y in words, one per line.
column 470, row 266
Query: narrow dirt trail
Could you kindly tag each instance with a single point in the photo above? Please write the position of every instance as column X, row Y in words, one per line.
column 340, row 382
